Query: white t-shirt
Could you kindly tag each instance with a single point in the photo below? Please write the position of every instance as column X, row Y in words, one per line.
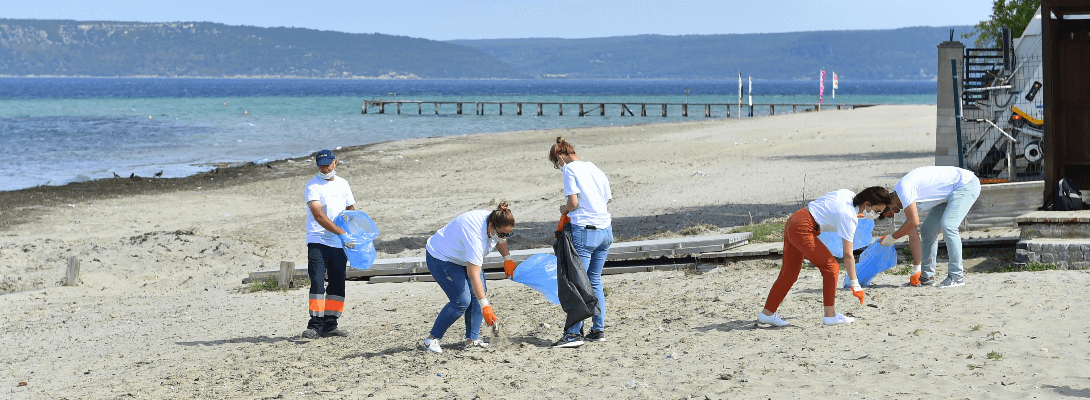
column 335, row 196
column 464, row 240
column 834, row 212
column 930, row 186
column 584, row 179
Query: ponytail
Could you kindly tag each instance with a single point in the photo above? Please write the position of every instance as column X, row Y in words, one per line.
column 501, row 216
column 561, row 147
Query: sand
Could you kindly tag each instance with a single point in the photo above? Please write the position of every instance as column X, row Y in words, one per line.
column 161, row 311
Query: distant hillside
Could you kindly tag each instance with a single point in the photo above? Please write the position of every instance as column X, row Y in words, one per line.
column 908, row 53
column 72, row 48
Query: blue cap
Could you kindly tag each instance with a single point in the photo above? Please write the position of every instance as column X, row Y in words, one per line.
column 324, row 157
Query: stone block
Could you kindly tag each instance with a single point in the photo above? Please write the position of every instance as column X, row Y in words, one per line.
column 1080, row 265
column 1075, row 256
column 1035, row 247
column 1034, row 257
column 1048, row 258
column 1061, row 264
column 1021, row 256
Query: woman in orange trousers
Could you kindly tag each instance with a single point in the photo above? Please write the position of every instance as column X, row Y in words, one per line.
column 839, row 212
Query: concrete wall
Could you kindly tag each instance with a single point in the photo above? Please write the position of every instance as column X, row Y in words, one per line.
column 1000, row 203
column 946, row 142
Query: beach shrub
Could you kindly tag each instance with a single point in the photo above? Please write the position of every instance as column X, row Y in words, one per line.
column 273, row 285
column 764, row 232
column 1024, row 268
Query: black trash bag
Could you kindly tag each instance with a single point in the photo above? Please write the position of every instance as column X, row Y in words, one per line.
column 572, row 285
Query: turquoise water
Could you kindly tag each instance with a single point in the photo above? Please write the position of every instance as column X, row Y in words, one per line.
column 90, row 136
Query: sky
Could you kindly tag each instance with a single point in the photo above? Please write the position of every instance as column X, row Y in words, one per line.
column 487, row 19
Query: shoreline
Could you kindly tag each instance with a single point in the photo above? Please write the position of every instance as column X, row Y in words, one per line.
column 159, row 310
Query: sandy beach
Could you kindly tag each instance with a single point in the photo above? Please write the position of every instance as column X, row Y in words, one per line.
column 161, row 311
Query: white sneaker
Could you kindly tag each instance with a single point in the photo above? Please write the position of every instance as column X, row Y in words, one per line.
column 837, row 320
column 773, row 319
column 476, row 343
column 433, row 345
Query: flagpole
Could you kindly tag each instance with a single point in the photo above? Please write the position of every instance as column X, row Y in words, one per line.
column 739, row 94
column 750, row 96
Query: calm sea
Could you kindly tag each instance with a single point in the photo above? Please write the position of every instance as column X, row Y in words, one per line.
column 61, row 130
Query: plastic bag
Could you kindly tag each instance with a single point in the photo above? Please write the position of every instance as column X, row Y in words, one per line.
column 875, row 259
column 539, row 273
column 362, row 231
column 864, row 234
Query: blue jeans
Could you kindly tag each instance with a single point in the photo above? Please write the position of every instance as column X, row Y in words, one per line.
column 592, row 245
column 455, row 283
column 948, row 216
column 326, row 303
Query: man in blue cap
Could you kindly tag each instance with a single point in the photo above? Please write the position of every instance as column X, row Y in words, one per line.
column 326, row 196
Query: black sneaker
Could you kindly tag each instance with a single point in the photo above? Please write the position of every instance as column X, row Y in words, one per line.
column 596, row 336
column 927, row 281
column 310, row 334
column 336, row 332
column 569, row 340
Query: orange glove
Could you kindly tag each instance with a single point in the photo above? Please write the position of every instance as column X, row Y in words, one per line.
column 563, row 221
column 508, row 266
column 915, row 279
column 489, row 315
column 857, row 291
column 859, row 294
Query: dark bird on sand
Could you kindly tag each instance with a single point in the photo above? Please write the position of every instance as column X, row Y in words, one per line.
column 116, row 175
column 159, row 174
column 132, row 175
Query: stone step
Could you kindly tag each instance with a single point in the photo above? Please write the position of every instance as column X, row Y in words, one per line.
column 1055, row 224
column 1064, row 253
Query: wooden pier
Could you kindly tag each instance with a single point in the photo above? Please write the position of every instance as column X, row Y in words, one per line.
column 599, row 108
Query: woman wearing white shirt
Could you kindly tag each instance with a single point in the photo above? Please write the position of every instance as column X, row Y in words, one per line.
column 839, row 212
column 587, row 192
column 949, row 192
column 455, row 254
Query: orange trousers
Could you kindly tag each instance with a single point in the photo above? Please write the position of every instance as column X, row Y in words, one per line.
column 800, row 240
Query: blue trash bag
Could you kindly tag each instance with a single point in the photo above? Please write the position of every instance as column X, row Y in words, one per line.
column 864, row 234
column 539, row 273
column 361, row 230
column 875, row 259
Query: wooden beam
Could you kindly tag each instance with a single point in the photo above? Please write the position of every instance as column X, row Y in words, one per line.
column 287, row 269
column 71, row 276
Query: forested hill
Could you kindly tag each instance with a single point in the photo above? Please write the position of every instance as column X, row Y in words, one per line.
column 190, row 49
column 908, row 53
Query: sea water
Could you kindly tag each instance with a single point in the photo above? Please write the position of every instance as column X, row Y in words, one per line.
column 60, row 130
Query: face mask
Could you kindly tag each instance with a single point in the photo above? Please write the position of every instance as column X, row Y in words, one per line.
column 496, row 239
column 871, row 214
column 328, row 176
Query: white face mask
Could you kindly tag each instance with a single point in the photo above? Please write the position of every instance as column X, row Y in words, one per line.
column 871, row 214
column 328, row 176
